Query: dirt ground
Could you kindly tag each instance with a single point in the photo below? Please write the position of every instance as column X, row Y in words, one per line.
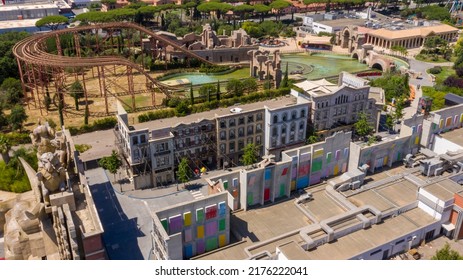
column 116, row 82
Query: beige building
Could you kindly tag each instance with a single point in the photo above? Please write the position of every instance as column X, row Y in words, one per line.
column 408, row 38
column 335, row 107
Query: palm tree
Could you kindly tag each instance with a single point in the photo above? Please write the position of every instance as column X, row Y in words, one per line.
column 5, row 147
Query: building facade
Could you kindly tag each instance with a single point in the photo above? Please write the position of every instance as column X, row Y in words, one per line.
column 234, row 132
column 336, row 107
column 188, row 229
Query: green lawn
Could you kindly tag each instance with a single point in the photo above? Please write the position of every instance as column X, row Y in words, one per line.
column 438, row 59
column 446, row 71
column 140, row 101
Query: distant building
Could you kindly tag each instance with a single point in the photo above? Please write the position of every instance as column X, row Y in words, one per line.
column 336, row 107
column 28, row 11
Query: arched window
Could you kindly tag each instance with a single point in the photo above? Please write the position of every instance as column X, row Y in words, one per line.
column 285, row 116
column 302, row 113
column 275, row 119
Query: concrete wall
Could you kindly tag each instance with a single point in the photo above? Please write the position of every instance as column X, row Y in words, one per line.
column 441, row 121
column 230, row 182
column 400, row 244
column 377, row 155
column 442, row 146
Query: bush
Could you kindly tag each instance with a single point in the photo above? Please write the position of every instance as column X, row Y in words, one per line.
column 213, row 69
column 102, row 124
column 155, row 115
column 435, row 70
column 454, row 81
column 16, row 138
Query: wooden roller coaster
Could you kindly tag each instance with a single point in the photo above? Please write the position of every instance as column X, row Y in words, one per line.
column 46, row 68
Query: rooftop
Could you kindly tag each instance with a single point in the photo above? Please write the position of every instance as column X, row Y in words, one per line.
column 455, row 136
column 445, row 189
column 102, row 143
column 359, row 241
column 421, row 31
column 342, row 22
column 318, row 87
column 8, row 24
column 220, row 112
column 30, row 6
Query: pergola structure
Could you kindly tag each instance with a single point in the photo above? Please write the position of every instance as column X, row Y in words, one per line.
column 93, row 52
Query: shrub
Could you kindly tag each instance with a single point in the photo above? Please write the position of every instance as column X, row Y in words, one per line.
column 435, row 70
column 16, row 138
column 454, row 81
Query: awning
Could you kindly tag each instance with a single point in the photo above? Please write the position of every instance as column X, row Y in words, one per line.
column 448, row 227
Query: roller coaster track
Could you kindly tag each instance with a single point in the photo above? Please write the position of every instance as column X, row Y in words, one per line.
column 30, row 51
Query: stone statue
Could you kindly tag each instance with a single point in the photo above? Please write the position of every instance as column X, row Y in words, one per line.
column 41, row 138
column 51, row 174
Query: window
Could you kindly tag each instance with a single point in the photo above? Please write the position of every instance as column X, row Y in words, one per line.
column 249, row 141
column 258, row 140
column 240, row 145
column 222, row 148
column 301, row 125
column 293, row 115
column 259, row 116
column 275, row 119
column 283, row 129
column 250, row 129
column 274, row 131
column 223, row 135
column 142, row 138
column 197, row 139
column 241, row 121
column 135, row 140
column 302, row 113
column 196, row 129
column 241, row 132
column 231, row 134
column 231, row 122
column 250, row 119
column 222, row 124
column 231, row 147
column 285, row 116
column 258, row 127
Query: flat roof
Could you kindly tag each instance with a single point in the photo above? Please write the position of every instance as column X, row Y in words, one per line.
column 322, row 206
column 445, row 189
column 30, row 6
column 455, row 136
column 342, row 22
column 8, row 24
column 362, row 240
column 102, row 143
column 210, row 115
column 422, row 31
column 268, row 222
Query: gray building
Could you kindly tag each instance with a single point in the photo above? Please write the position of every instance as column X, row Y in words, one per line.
column 212, row 139
column 28, row 11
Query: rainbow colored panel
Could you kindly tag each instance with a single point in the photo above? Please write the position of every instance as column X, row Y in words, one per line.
column 211, row 212
column 211, row 228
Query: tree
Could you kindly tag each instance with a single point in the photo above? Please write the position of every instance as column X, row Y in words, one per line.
column 52, row 22
column 262, row 10
column 77, row 91
column 241, row 10
column 217, row 94
column 250, row 155
column 5, row 147
column 279, row 5
column 182, row 109
column 207, row 90
column 250, row 85
column 184, row 172
column 86, row 114
column 192, row 97
column 17, row 117
column 111, row 163
column 447, row 254
column 362, row 126
column 312, row 139
column 11, row 92
column 8, row 65
column 235, row 87
column 284, row 82
column 389, row 121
